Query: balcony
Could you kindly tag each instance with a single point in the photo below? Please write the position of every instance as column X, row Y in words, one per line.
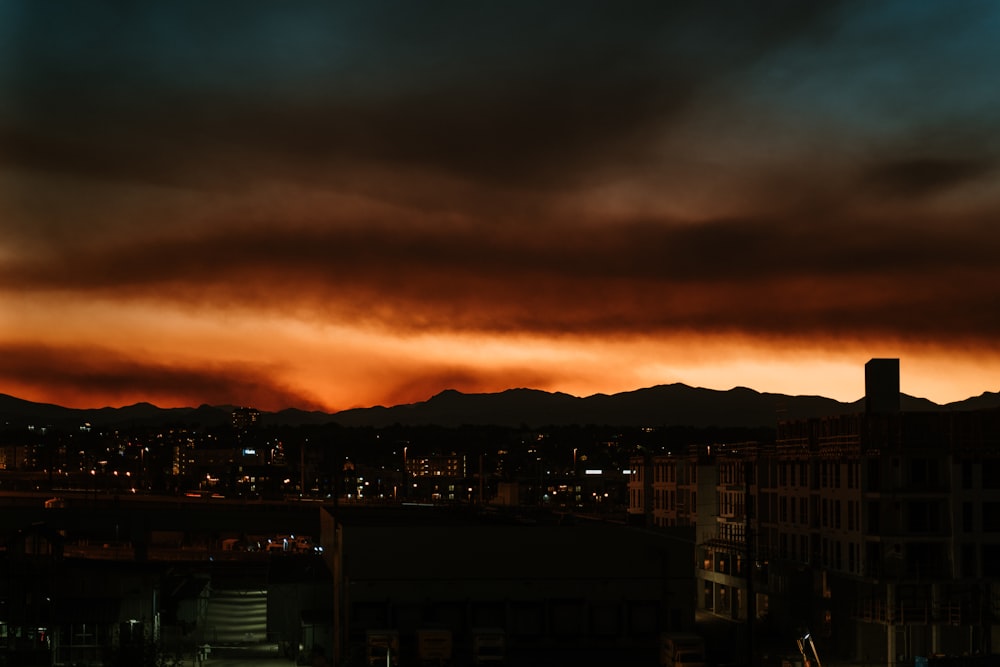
column 911, row 612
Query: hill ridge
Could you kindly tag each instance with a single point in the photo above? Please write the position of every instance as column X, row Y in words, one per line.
column 674, row 404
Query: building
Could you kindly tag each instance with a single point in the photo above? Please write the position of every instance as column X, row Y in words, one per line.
column 438, row 477
column 245, row 419
column 877, row 532
column 133, row 580
column 562, row 592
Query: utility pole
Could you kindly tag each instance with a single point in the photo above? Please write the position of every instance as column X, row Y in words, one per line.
column 481, row 481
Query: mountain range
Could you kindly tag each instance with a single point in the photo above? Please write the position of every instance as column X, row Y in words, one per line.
column 662, row 405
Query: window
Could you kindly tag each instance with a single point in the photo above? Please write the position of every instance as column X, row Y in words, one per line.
column 968, row 560
column 991, row 517
column 874, row 480
column 990, row 560
column 991, row 474
column 873, row 518
column 924, row 516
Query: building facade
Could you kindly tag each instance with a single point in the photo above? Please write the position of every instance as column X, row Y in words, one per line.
column 876, row 532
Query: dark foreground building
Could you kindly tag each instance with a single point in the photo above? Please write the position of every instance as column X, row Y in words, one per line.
column 878, row 532
column 123, row 582
column 563, row 592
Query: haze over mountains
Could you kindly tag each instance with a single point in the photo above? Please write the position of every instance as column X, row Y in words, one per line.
column 662, row 405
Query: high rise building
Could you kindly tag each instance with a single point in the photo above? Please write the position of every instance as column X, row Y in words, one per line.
column 882, row 386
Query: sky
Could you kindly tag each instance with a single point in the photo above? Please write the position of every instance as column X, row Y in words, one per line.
column 334, row 205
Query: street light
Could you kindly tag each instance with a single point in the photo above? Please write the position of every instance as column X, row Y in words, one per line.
column 406, row 474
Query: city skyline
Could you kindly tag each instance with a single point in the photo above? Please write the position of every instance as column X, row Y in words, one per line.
column 333, row 207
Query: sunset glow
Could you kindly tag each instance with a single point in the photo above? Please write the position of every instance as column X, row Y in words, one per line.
column 327, row 208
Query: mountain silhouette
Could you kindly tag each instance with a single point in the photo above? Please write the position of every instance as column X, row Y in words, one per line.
column 661, row 405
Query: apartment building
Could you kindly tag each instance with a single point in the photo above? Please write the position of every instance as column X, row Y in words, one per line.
column 877, row 532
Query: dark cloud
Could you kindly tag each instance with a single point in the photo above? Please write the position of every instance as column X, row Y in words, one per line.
column 769, row 170
column 754, row 276
column 92, row 159
column 916, row 177
column 76, row 374
column 520, row 93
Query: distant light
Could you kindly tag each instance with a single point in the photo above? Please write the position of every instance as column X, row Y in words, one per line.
column 626, row 472
column 593, row 471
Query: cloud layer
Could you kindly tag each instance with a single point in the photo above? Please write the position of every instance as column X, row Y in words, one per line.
column 795, row 172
